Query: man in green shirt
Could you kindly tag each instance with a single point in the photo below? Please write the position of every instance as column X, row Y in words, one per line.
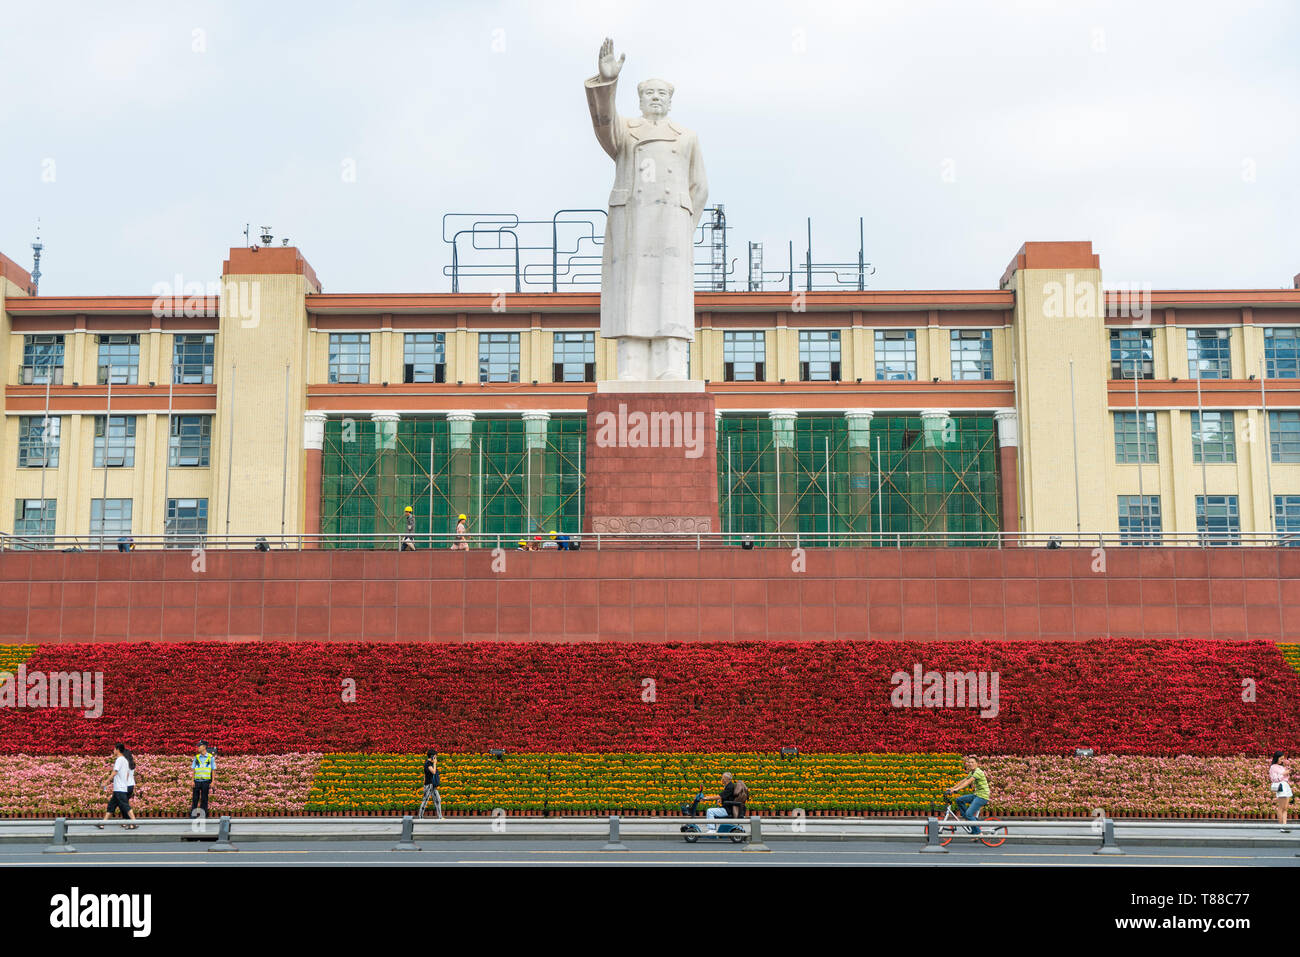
column 970, row 804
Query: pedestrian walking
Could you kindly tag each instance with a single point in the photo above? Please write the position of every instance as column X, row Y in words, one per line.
column 1279, row 782
column 202, row 766
column 119, row 784
column 462, row 535
column 432, row 781
column 408, row 540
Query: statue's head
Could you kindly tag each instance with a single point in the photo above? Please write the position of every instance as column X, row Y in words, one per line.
column 656, row 98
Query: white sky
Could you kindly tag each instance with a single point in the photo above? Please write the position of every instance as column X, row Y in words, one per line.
column 1166, row 133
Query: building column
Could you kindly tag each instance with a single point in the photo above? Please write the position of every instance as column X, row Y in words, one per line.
column 461, row 468
column 1009, row 472
column 387, row 508
column 313, row 443
column 787, row 522
column 540, row 490
column 857, row 498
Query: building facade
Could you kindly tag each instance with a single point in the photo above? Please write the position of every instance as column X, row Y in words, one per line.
column 265, row 407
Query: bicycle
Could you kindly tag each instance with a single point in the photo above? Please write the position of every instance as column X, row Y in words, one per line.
column 993, row 833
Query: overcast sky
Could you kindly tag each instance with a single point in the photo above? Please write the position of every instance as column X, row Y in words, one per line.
column 144, row 136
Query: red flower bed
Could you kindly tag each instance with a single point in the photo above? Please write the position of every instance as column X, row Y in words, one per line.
column 1118, row 696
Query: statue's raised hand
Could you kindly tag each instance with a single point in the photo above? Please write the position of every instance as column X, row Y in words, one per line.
column 609, row 66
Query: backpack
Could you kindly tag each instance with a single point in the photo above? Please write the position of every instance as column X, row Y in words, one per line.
column 741, row 794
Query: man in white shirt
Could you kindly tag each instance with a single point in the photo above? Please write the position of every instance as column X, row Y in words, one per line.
column 120, row 782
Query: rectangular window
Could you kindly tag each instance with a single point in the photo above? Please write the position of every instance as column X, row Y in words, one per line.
column 1217, row 520
column 819, row 355
column 1134, row 442
column 38, row 442
column 425, row 357
column 498, row 357
column 895, row 354
column 192, row 359
column 1130, row 354
column 972, row 353
column 1209, row 354
column 744, row 356
column 190, row 443
column 1286, row 518
column 1284, row 436
column 34, row 516
column 1139, row 519
column 117, row 448
column 1282, row 353
column 574, row 358
column 1214, row 437
column 349, row 357
column 187, row 522
column 119, row 359
column 110, row 518
column 42, row 360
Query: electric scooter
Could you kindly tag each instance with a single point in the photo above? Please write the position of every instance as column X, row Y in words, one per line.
column 726, row 829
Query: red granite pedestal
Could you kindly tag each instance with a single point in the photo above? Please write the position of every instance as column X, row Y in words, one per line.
column 652, row 463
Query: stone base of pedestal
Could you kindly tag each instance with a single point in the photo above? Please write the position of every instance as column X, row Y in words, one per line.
column 651, row 463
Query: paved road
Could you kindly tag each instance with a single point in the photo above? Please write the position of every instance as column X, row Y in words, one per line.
column 656, row 853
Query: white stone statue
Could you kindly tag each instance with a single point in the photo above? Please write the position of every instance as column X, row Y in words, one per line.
column 647, row 292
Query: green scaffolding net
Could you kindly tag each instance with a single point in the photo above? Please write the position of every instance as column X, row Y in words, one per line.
column 510, row 477
column 825, row 480
column 835, row 481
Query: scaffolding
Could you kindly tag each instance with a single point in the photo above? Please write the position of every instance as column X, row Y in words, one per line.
column 510, row 477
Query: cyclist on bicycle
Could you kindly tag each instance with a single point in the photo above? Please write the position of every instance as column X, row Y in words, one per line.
column 970, row 804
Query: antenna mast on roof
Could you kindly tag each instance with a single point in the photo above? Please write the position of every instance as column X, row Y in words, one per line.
column 36, row 259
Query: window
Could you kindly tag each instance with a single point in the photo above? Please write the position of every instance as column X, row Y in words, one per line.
column 425, row 358
column 819, row 355
column 1282, row 353
column 1284, row 436
column 1134, row 443
column 38, row 445
column 498, row 357
column 349, row 357
column 34, row 516
column 190, row 443
column 42, row 360
column 117, row 449
column 744, row 356
column 1213, row 437
column 1130, row 354
column 1286, row 518
column 1209, row 354
column 111, row 517
column 1217, row 519
column 895, row 353
column 187, row 522
column 574, row 358
column 972, row 353
column 119, row 359
column 192, row 359
column 1139, row 519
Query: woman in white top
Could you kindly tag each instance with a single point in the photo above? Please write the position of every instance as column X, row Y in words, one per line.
column 119, row 782
column 1279, row 782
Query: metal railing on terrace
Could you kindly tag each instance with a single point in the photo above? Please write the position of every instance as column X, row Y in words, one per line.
column 532, row 541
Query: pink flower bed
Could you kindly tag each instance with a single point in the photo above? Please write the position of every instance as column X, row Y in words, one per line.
column 75, row 786
column 1129, row 784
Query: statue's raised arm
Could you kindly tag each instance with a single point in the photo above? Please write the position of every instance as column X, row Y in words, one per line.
column 606, row 66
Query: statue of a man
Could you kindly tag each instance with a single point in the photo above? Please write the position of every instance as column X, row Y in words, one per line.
column 647, row 292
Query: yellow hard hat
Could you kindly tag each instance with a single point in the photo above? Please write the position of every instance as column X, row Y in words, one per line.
column 462, row 518
column 552, row 534
column 523, row 541
column 408, row 508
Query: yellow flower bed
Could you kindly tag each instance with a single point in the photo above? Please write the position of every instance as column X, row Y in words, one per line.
column 11, row 656
column 1291, row 652
column 641, row 782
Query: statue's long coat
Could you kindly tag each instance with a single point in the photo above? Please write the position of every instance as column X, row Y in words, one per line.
column 647, row 278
